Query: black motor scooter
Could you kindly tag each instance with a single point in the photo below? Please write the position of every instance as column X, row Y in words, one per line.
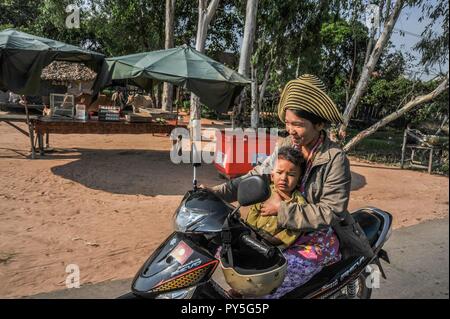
column 185, row 266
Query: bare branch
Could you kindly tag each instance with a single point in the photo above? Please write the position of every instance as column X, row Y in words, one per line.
column 443, row 86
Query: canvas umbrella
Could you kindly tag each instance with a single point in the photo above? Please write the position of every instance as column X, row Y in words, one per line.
column 23, row 57
column 215, row 84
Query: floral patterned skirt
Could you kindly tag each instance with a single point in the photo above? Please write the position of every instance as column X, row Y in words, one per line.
column 307, row 257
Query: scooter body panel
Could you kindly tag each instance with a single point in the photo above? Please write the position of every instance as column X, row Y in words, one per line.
column 178, row 263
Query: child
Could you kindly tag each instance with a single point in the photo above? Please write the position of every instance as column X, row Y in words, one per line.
column 285, row 177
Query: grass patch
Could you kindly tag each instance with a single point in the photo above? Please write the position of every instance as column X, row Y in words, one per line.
column 385, row 146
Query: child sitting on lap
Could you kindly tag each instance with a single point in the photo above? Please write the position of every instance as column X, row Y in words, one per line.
column 285, row 177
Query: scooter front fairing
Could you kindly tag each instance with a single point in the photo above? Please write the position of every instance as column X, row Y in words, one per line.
column 177, row 264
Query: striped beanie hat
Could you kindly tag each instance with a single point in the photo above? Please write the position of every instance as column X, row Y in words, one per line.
column 307, row 93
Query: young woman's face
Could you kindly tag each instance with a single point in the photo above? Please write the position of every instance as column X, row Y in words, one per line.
column 301, row 131
column 285, row 175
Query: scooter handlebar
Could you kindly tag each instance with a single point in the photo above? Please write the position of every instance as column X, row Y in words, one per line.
column 267, row 251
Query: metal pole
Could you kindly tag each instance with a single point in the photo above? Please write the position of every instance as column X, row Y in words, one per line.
column 430, row 164
column 405, row 134
column 31, row 130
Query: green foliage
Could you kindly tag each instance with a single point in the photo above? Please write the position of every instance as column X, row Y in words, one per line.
column 343, row 51
column 434, row 46
column 18, row 13
column 323, row 37
column 388, row 96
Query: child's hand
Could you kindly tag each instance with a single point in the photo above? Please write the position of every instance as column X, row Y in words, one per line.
column 271, row 206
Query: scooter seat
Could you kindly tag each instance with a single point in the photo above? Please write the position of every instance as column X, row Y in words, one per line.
column 370, row 224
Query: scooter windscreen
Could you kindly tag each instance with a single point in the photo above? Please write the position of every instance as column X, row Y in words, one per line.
column 175, row 265
column 201, row 211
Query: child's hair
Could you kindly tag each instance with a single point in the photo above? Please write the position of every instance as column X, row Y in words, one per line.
column 291, row 154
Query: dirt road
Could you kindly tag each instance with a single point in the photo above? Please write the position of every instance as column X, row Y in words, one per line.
column 104, row 202
column 410, row 274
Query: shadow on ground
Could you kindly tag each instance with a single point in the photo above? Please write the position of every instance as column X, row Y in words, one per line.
column 358, row 181
column 145, row 172
column 131, row 172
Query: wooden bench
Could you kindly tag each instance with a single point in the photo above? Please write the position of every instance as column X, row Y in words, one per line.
column 415, row 148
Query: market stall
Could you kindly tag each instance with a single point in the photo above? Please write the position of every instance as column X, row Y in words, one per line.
column 24, row 56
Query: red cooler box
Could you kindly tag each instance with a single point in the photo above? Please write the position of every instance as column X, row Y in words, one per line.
column 237, row 154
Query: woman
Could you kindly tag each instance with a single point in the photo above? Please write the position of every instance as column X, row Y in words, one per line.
column 330, row 233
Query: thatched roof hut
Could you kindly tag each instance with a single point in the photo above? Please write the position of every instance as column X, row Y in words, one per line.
column 67, row 71
column 77, row 77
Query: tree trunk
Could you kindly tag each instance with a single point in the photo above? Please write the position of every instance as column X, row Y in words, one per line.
column 442, row 125
column 249, row 37
column 262, row 89
column 297, row 69
column 370, row 66
column 255, row 109
column 395, row 115
column 158, row 96
column 388, row 9
column 247, row 48
column 369, row 47
column 167, row 101
column 205, row 15
column 352, row 71
column 355, row 17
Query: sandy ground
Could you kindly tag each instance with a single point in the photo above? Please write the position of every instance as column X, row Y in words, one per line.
column 105, row 202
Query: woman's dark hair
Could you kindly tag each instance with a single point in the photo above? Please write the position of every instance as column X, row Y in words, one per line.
column 314, row 119
column 292, row 155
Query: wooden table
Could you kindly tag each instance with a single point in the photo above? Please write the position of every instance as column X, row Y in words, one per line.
column 22, row 118
column 46, row 125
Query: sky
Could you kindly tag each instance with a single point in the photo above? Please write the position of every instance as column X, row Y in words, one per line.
column 409, row 22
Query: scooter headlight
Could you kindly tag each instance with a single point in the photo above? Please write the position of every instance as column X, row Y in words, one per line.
column 178, row 294
column 187, row 217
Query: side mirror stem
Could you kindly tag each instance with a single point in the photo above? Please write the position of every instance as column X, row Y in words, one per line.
column 235, row 213
column 194, row 181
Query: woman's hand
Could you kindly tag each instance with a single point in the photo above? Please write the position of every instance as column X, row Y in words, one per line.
column 271, row 206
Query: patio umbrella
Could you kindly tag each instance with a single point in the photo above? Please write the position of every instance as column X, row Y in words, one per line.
column 23, row 57
column 214, row 83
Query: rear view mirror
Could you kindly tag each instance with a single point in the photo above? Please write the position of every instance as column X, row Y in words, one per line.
column 253, row 190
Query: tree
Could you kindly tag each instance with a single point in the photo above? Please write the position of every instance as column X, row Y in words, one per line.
column 244, row 60
column 205, row 15
column 222, row 36
column 47, row 18
column 287, row 39
column 249, row 37
column 429, row 56
column 19, row 13
column 370, row 66
column 168, row 88
column 343, row 46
